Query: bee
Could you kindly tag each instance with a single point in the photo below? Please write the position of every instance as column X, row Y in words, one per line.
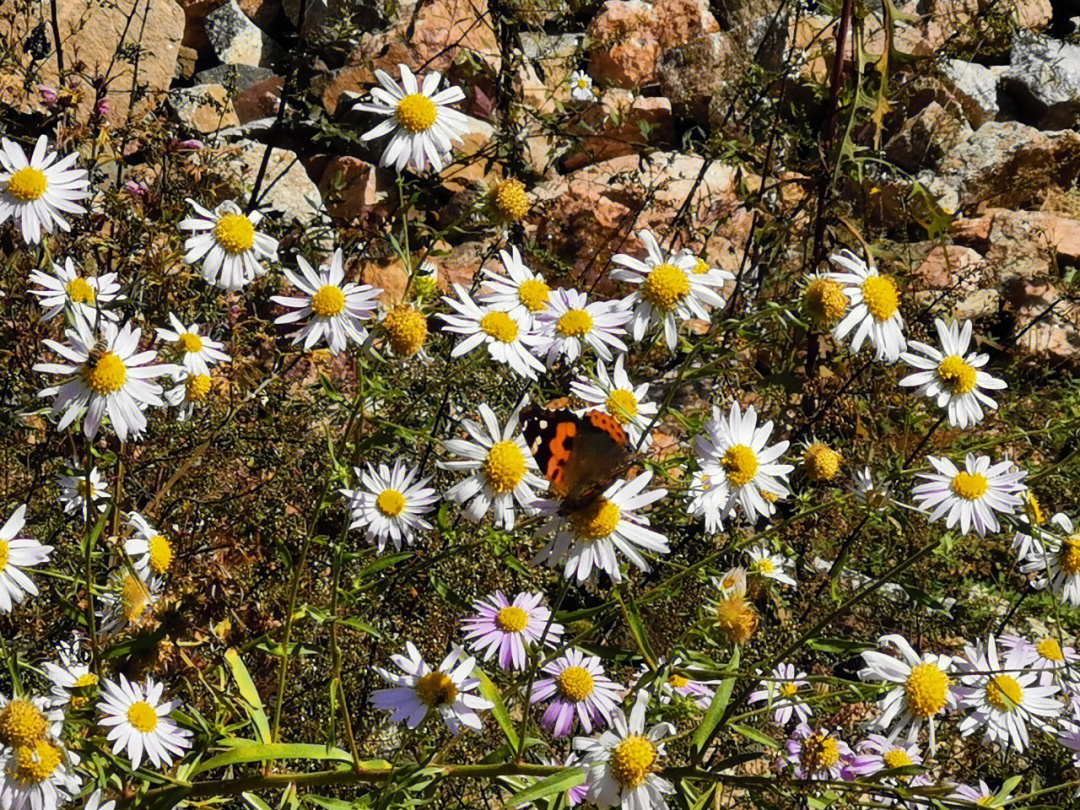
column 95, row 355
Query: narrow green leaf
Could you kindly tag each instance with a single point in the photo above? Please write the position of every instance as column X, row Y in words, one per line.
column 549, row 786
column 715, row 711
column 250, row 694
column 499, row 712
column 269, row 752
column 637, row 628
column 383, row 562
column 755, row 735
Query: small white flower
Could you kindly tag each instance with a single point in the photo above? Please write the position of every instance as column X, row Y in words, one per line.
column 227, row 243
column 502, row 470
column 765, row 563
column 875, row 308
column 71, row 679
column 669, row 290
column 781, row 694
column 615, row 394
column 139, row 723
column 570, row 323
column 1054, row 663
column 1056, row 561
column 952, row 376
column 26, row 719
column 520, row 292
column 18, row 553
column 129, row 601
column 448, row 690
column 510, row 628
column 970, row 497
column 37, row 193
column 79, row 492
column 94, row 802
column 581, row 86
column 422, row 123
column 189, row 392
column 149, row 550
column 38, row 776
column 113, row 381
column 579, row 691
column 196, row 352
column 392, row 504
column 595, row 535
column 508, row 336
column 869, row 490
column 86, row 297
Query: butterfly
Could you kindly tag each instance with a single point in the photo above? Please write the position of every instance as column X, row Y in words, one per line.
column 579, row 455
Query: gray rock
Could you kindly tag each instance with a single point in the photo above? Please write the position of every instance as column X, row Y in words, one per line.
column 976, row 86
column 204, row 108
column 236, row 40
column 927, row 137
column 691, row 74
column 286, row 188
column 1043, row 78
column 540, row 47
column 234, row 78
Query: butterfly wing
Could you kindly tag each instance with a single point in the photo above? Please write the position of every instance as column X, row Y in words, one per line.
column 575, row 453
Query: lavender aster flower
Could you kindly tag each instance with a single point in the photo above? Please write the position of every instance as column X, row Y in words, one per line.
column 505, row 626
column 578, row 686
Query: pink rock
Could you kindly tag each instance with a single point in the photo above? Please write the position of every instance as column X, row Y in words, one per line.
column 624, row 47
column 349, row 185
column 947, row 266
column 615, row 126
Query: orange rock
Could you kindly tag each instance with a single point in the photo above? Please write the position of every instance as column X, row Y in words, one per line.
column 615, row 127
column 624, row 48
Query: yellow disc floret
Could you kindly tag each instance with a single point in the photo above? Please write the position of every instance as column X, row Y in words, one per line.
column 416, row 113
column 926, row 689
column 36, row 762
column 83, row 684
column 736, row 619
column 22, row 723
column 134, row 598
column 197, row 387
column 1004, row 693
column 622, row 404
column 825, row 302
column 80, row 291
column 390, row 502
column 504, row 466
column 820, row 752
column 575, row 683
column 436, row 689
column 161, row 553
column 190, row 342
column 575, row 323
column 789, row 690
column 741, row 465
column 969, row 486
column 534, row 294
column 897, row 758
column 5, row 554
column 500, row 326
column 956, row 375
column 677, row 681
column 235, row 233
column 1069, row 556
column 142, row 716
column 822, row 463
column 665, row 287
column 596, row 520
column 632, row 760
column 510, row 200
column 28, row 184
column 1049, row 649
column 880, row 297
column 512, row 619
column 328, row 301
column 407, row 330
column 107, row 375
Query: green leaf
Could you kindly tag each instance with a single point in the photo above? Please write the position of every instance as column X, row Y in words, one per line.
column 255, row 802
column 250, row 694
column 755, row 735
column 499, row 712
column 383, row 562
column 839, row 646
column 549, row 786
column 637, row 628
column 270, row 752
column 715, row 712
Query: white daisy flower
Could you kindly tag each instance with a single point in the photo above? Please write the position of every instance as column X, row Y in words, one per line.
column 765, row 563
column 923, row 688
column 18, row 553
column 580, row 692
column 502, row 469
column 80, row 492
column 335, row 312
column 94, row 802
column 113, row 380
column 875, row 308
column 38, row 776
column 868, row 490
column 195, row 352
column 520, row 292
column 190, row 391
column 570, row 323
column 740, row 467
column 1003, row 698
column 72, row 679
column 669, row 290
column 23, row 720
column 86, row 297
column 581, row 86
column 1054, row 663
column 970, row 497
column 622, row 761
column 595, row 535
column 510, row 628
column 37, row 193
column 228, row 245
column 129, row 601
column 818, row 753
column 422, row 123
column 877, row 753
column 781, row 694
column 150, row 551
column 508, row 336
column 1057, row 561
column 139, row 723
column 449, row 690
column 676, row 684
column 392, row 504
column 616, row 395
column 952, row 376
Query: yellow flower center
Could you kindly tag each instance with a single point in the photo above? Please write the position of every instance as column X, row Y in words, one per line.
column 970, row 486
column 511, row 200
column 1032, row 508
column 235, row 233
column 678, row 681
column 36, row 762
column 134, row 598
column 1004, row 693
column 956, row 375
column 926, row 689
column 5, row 552
column 505, row 466
column 822, row 463
column 80, row 291
column 512, row 619
column 27, row 185
column 764, row 566
column 500, row 326
column 622, row 404
column 741, row 465
column 665, row 287
column 328, row 301
column 1049, row 649
column 702, row 267
column 197, row 387
column 407, row 330
column 436, row 689
column 736, row 619
column 632, row 760
column 390, row 502
column 416, row 113
column 596, row 520
column 85, row 681
column 161, row 553
column 575, row 683
column 583, row 84
column 534, row 294
column 142, row 716
column 826, row 302
column 789, row 690
column 107, row 375
column 880, row 297
column 190, row 342
column 575, row 323
column 819, row 753
column 21, row 723
column 897, row 758
column 1069, row 555
column 85, row 488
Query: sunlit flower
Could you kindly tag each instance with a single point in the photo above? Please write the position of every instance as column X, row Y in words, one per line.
column 18, row 553
column 139, row 723
column 878, row 753
column 817, row 754
column 579, row 691
column 781, row 694
column 732, row 614
column 875, row 308
column 824, row 301
column 24, row 720
column 448, row 691
column 520, row 292
column 508, row 201
column 596, row 534
column 73, row 683
column 970, row 497
column 80, row 492
column 227, row 243
column 615, row 394
column 86, row 297
column 195, row 352
column 1053, row 662
column 764, row 563
column 581, row 86
column 150, row 550
column 1057, row 562
column 406, row 331
column 669, row 291
column 502, row 470
column 422, row 123
column 335, row 312
column 820, row 462
column 38, row 776
column 37, row 193
column 190, row 391
column 508, row 336
column 507, row 628
column 391, row 504
column 129, row 602
column 570, row 323
column 676, row 684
